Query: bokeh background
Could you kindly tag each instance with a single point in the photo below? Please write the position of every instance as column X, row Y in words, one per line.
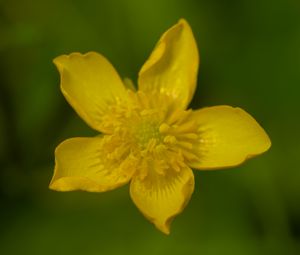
column 250, row 57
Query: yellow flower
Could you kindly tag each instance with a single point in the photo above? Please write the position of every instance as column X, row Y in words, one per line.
column 148, row 137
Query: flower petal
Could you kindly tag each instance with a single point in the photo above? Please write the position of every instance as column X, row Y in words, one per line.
column 228, row 136
column 90, row 84
column 172, row 67
column 86, row 164
column 161, row 197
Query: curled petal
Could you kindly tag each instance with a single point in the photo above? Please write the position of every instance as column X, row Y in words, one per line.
column 171, row 69
column 227, row 137
column 90, row 84
column 160, row 197
column 90, row 164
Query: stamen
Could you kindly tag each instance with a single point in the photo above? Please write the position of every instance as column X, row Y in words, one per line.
column 190, row 136
column 173, row 117
column 188, row 127
column 163, row 128
column 170, row 139
column 185, row 145
column 189, row 155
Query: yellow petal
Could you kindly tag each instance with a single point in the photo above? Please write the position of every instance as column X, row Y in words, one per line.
column 172, row 67
column 161, row 197
column 86, row 164
column 227, row 137
column 90, row 84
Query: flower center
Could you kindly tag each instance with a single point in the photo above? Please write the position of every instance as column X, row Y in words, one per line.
column 147, row 131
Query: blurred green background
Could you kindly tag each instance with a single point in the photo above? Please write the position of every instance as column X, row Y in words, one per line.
column 250, row 57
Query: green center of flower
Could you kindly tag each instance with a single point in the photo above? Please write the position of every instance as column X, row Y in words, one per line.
column 147, row 131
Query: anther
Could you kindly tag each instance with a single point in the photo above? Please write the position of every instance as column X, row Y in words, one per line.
column 170, row 139
column 163, row 128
